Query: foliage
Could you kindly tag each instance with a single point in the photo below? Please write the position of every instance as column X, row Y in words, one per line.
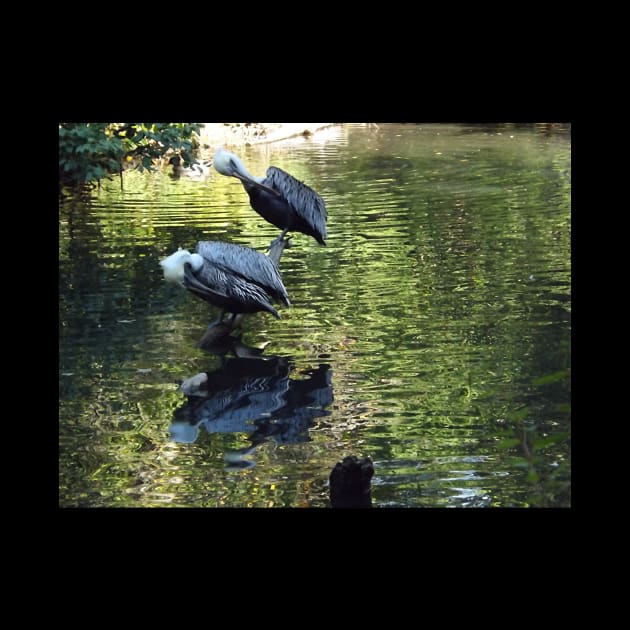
column 89, row 152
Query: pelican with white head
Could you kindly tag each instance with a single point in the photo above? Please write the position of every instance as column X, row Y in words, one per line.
column 173, row 265
column 233, row 277
column 279, row 198
column 230, row 165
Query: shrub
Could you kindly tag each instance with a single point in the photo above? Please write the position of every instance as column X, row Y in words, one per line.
column 88, row 152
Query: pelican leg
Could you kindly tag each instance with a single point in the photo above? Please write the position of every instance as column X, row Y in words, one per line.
column 230, row 321
column 277, row 241
column 276, row 248
column 234, row 321
column 217, row 321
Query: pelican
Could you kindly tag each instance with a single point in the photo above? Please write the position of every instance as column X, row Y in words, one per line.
column 197, row 170
column 279, row 198
column 235, row 278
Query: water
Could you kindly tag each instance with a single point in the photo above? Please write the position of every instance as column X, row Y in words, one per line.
column 432, row 334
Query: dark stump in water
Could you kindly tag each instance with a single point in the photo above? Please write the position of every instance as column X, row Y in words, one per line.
column 350, row 483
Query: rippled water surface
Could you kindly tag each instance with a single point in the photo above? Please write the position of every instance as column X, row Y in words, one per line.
column 432, row 334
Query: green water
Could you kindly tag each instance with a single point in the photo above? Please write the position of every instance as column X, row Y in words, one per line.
column 432, row 334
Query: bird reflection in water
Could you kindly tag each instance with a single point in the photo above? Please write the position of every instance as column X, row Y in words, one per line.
column 218, row 341
column 255, row 396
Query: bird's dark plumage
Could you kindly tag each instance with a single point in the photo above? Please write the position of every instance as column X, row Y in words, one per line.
column 279, row 198
column 246, row 264
column 231, row 292
column 298, row 208
column 235, row 278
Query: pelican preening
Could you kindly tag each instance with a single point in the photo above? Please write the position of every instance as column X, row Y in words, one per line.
column 197, row 170
column 235, row 278
column 279, row 198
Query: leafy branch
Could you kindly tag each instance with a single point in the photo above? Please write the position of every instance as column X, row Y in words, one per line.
column 89, row 152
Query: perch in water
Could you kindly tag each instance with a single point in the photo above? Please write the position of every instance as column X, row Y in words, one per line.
column 235, row 278
column 278, row 197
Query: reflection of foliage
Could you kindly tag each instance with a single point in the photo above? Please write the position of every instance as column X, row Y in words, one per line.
column 540, row 451
column 89, row 152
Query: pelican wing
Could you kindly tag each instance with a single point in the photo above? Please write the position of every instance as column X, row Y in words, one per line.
column 226, row 290
column 247, row 263
column 304, row 200
column 202, row 289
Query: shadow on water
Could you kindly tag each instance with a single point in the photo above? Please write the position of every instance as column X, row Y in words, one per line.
column 253, row 395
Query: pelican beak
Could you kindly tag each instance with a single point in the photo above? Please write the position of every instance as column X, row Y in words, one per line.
column 252, row 182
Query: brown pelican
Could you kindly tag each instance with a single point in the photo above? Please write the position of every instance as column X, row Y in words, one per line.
column 235, row 278
column 279, row 198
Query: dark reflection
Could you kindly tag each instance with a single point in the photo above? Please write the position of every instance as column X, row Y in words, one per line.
column 217, row 340
column 255, row 396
